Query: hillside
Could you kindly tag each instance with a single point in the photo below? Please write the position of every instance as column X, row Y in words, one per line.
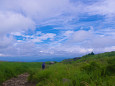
column 89, row 70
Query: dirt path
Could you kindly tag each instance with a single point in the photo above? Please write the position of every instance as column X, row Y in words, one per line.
column 21, row 80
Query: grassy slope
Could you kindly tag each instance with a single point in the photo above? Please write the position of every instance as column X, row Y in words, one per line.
column 96, row 70
column 12, row 69
column 90, row 70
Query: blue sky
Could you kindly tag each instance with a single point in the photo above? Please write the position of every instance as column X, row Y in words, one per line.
column 56, row 28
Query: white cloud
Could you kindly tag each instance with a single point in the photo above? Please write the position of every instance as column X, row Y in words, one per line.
column 21, row 13
column 43, row 37
column 44, row 12
column 10, row 22
column 81, row 35
column 16, row 33
column 92, row 39
column 68, row 33
column 65, row 48
column 2, row 54
column 6, row 41
column 17, row 16
column 102, row 7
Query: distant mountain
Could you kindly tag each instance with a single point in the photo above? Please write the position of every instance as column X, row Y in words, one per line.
column 31, row 59
column 50, row 59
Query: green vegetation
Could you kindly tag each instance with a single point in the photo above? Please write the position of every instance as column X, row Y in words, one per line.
column 12, row 69
column 90, row 70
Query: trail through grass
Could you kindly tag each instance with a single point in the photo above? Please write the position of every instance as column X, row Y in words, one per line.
column 90, row 70
column 12, row 69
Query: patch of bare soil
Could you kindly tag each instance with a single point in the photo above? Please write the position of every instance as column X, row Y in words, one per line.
column 21, row 80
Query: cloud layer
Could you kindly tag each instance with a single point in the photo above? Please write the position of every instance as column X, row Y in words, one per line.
column 56, row 28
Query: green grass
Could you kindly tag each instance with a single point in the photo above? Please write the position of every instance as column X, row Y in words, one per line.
column 12, row 69
column 92, row 70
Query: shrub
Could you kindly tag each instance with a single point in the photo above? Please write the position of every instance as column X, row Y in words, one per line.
column 93, row 66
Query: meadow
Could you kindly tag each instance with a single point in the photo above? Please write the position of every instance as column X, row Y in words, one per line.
column 12, row 69
column 89, row 70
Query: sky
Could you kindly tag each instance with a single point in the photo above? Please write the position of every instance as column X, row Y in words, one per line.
column 56, row 28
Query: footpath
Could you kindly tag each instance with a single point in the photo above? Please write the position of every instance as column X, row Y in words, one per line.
column 21, row 80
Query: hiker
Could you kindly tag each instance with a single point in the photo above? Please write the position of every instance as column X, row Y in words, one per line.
column 43, row 65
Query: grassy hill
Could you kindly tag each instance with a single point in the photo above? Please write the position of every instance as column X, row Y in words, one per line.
column 89, row 70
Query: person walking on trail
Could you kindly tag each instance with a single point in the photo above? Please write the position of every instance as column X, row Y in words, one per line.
column 43, row 65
